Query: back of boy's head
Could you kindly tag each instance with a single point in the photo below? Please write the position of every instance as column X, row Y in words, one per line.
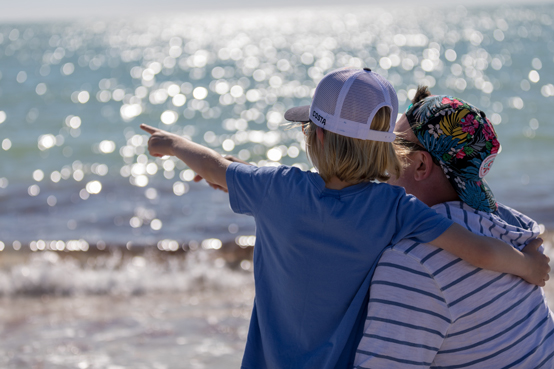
column 350, row 159
column 357, row 110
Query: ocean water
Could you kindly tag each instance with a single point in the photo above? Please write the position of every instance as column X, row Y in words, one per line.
column 113, row 259
column 121, row 310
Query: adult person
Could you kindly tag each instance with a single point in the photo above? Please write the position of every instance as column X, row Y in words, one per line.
column 428, row 308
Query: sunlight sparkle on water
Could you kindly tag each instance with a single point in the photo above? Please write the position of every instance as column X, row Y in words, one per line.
column 156, row 224
column 180, row 188
column 33, row 190
column 73, row 121
column 83, row 97
column 168, row 245
column 55, row 176
column 68, row 69
column 78, row 175
column 200, row 93
column 6, row 144
column 169, row 117
column 211, row 244
column 107, row 146
column 38, row 175
column 46, row 142
column 21, row 77
column 226, row 84
column 228, row 145
column 151, row 193
column 41, row 89
column 534, row 76
column 94, row 187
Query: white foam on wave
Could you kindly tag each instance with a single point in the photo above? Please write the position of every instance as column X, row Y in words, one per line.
column 114, row 274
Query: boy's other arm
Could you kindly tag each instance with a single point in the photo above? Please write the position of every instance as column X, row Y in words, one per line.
column 492, row 254
column 204, row 161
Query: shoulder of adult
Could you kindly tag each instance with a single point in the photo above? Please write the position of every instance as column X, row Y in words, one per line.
column 408, row 316
column 516, row 218
column 415, row 251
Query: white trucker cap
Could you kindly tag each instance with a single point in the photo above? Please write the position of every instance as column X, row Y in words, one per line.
column 345, row 102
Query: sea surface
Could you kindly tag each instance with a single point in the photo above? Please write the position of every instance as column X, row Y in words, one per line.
column 110, row 258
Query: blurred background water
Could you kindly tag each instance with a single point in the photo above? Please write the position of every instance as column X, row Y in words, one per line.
column 82, row 205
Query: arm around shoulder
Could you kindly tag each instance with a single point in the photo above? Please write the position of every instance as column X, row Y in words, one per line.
column 492, row 254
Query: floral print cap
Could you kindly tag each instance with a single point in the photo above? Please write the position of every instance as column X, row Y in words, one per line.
column 464, row 142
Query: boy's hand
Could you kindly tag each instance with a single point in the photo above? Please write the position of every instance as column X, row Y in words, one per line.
column 203, row 160
column 160, row 142
column 538, row 263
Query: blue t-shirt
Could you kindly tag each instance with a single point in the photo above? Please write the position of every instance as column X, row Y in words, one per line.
column 314, row 257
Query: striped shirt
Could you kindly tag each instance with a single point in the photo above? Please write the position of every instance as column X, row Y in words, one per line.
column 429, row 309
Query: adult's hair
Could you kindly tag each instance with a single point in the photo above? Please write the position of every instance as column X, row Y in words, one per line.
column 421, row 93
column 350, row 159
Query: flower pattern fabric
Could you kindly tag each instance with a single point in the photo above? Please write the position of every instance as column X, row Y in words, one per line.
column 461, row 137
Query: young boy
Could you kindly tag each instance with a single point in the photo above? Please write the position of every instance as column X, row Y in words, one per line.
column 319, row 235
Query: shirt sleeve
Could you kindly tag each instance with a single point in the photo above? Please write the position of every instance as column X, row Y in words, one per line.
column 418, row 222
column 407, row 317
column 247, row 186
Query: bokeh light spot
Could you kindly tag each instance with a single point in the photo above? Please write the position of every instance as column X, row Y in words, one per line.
column 135, row 222
column 151, row 193
column 68, row 68
column 38, row 175
column 200, row 93
column 169, row 117
column 228, row 145
column 41, row 89
column 107, row 146
column 180, row 188
column 33, row 190
column 534, row 76
column 179, row 100
column 51, row 200
column 46, row 142
column 83, row 97
column 156, row 224
column 6, row 144
column 94, row 187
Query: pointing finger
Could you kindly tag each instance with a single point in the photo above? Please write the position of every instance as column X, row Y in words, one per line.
column 148, row 129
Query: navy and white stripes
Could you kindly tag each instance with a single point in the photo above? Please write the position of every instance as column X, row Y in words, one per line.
column 429, row 309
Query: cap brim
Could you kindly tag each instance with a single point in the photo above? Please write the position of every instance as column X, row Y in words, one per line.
column 298, row 114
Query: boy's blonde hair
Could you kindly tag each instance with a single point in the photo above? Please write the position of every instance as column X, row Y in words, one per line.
column 350, row 159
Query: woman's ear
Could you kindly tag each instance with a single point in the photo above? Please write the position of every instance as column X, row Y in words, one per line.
column 423, row 165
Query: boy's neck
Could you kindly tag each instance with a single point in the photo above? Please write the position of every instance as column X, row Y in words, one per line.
column 336, row 184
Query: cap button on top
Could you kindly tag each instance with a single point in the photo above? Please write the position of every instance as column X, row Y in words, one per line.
column 367, row 69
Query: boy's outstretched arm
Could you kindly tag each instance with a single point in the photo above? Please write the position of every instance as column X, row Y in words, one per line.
column 198, row 177
column 492, row 254
column 204, row 161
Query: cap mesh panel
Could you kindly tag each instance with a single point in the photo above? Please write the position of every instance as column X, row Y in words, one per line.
column 392, row 94
column 326, row 97
column 362, row 98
